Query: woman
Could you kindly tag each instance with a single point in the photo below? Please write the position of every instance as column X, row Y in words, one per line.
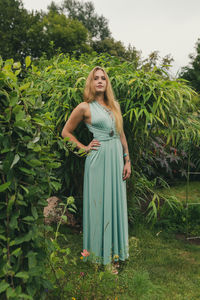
column 107, row 166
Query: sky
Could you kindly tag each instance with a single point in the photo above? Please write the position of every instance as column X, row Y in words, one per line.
column 168, row 26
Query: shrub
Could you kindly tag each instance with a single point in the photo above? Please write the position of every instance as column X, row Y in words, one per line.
column 26, row 180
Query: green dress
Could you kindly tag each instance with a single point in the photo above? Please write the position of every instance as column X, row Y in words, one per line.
column 105, row 220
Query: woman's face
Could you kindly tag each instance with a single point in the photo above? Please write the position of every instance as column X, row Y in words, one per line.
column 99, row 81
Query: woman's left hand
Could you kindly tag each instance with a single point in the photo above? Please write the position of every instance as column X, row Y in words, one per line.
column 127, row 170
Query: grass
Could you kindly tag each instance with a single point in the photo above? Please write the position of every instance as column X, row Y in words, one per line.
column 160, row 266
column 179, row 190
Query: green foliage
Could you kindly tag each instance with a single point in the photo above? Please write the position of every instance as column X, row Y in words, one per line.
column 145, row 98
column 34, row 159
column 23, row 33
column 192, row 72
column 67, row 34
column 156, row 257
column 147, row 202
column 26, row 181
column 58, row 255
column 116, row 48
column 13, row 26
column 85, row 13
column 88, row 280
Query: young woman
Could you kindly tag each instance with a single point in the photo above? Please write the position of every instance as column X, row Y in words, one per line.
column 107, row 166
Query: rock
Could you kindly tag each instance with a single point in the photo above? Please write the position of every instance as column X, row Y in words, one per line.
column 53, row 211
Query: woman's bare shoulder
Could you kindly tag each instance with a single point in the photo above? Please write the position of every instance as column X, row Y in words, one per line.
column 83, row 106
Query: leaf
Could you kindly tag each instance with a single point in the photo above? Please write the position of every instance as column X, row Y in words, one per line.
column 56, row 185
column 20, row 116
column 15, row 161
column 23, row 275
column 28, row 219
column 64, row 218
column 27, row 171
column 13, row 222
column 36, row 139
column 54, row 165
column 27, row 61
column 34, row 212
column 25, row 238
column 131, row 81
column 3, row 286
column 4, row 186
column 32, row 262
column 2, row 237
column 17, row 72
column 34, row 163
column 13, row 101
column 71, row 209
column 24, row 188
column 39, row 121
column 10, row 293
column 70, row 200
column 17, row 65
column 17, row 252
column 24, row 86
column 10, row 203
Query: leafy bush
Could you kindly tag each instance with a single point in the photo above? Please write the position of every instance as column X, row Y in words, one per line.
column 26, row 180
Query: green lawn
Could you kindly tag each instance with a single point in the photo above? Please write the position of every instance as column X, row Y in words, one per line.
column 179, row 191
column 160, row 266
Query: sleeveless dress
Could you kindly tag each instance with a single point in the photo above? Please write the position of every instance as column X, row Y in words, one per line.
column 105, row 220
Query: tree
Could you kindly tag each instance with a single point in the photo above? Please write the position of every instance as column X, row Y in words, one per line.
column 158, row 64
column 13, row 26
column 192, row 72
column 21, row 32
column 33, row 34
column 85, row 13
column 66, row 34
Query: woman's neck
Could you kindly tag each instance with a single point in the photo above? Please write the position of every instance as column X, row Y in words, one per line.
column 100, row 98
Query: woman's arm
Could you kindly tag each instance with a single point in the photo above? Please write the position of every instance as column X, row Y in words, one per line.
column 78, row 115
column 127, row 162
column 75, row 118
column 125, row 147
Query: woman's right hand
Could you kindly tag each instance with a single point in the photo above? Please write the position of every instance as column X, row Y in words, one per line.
column 92, row 145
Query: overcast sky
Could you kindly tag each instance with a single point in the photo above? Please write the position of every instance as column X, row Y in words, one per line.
column 168, row 26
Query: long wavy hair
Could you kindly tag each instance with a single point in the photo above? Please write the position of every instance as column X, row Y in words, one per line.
column 89, row 96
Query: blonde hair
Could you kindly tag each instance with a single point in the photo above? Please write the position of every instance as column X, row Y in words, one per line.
column 89, row 96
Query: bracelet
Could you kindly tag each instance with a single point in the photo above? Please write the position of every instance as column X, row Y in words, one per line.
column 125, row 154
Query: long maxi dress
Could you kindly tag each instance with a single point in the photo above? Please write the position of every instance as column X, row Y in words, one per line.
column 105, row 220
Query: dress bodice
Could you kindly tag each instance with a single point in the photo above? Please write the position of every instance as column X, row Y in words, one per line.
column 102, row 124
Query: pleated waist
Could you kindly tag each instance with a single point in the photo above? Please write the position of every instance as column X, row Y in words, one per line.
column 102, row 134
